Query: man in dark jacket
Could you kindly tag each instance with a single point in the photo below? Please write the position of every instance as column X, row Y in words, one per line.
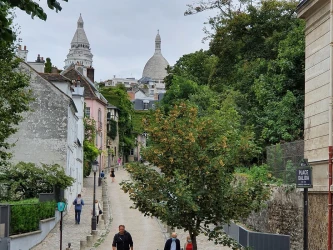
column 122, row 240
column 78, row 202
column 173, row 243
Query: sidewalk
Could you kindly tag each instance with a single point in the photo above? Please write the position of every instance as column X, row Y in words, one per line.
column 72, row 232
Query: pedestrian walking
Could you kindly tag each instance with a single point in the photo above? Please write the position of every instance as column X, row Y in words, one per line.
column 173, row 243
column 98, row 210
column 78, row 202
column 112, row 175
column 122, row 240
column 102, row 174
column 119, row 161
column 188, row 245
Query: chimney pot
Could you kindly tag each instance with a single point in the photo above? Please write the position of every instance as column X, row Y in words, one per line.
column 20, row 47
column 25, row 47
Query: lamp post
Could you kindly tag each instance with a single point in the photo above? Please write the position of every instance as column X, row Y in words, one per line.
column 61, row 208
column 99, row 168
column 94, row 219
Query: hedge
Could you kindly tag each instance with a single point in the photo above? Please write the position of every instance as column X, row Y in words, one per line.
column 25, row 217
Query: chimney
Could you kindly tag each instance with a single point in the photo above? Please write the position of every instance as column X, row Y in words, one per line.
column 23, row 54
column 91, row 73
column 38, row 65
column 38, row 58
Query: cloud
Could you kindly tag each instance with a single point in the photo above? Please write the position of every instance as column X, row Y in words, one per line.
column 121, row 33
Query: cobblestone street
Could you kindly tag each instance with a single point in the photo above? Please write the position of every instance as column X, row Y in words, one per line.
column 147, row 233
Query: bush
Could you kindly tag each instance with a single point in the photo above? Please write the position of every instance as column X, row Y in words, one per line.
column 259, row 173
column 86, row 169
column 27, row 180
column 25, row 217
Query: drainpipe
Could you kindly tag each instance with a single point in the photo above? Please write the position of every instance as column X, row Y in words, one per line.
column 330, row 142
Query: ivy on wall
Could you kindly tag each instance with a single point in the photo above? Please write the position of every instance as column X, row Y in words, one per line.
column 113, row 129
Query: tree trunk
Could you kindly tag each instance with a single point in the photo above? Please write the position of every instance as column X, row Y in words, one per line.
column 194, row 241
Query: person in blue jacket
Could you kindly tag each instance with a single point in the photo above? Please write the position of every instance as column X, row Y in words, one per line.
column 78, row 202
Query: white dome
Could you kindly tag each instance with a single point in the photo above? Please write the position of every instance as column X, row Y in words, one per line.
column 155, row 68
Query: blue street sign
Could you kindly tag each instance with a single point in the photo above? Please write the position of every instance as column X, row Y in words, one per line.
column 304, row 177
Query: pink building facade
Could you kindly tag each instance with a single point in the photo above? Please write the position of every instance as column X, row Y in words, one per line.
column 95, row 108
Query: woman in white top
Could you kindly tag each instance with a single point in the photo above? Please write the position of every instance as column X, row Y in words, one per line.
column 98, row 208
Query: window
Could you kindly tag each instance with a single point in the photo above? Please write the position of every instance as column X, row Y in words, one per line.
column 132, row 151
column 87, row 112
column 145, row 106
column 99, row 115
column 101, row 139
column 99, row 119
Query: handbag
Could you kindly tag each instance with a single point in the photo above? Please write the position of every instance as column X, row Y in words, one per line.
column 100, row 211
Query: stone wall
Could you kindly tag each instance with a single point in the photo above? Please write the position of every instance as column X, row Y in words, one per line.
column 283, row 214
column 42, row 135
column 318, row 221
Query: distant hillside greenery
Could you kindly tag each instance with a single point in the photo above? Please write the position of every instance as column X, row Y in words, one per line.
column 256, row 57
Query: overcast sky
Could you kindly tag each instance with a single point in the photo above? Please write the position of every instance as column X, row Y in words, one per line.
column 121, row 33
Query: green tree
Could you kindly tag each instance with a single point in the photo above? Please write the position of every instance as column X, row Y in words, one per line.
column 15, row 97
column 118, row 97
column 48, row 66
column 30, row 7
column 90, row 151
column 26, row 180
column 192, row 186
column 181, row 88
column 197, row 66
column 226, row 10
column 260, row 55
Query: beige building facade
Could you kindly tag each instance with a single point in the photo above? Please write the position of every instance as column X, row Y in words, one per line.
column 318, row 113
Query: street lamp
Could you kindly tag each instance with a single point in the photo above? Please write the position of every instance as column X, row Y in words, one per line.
column 99, row 169
column 94, row 166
